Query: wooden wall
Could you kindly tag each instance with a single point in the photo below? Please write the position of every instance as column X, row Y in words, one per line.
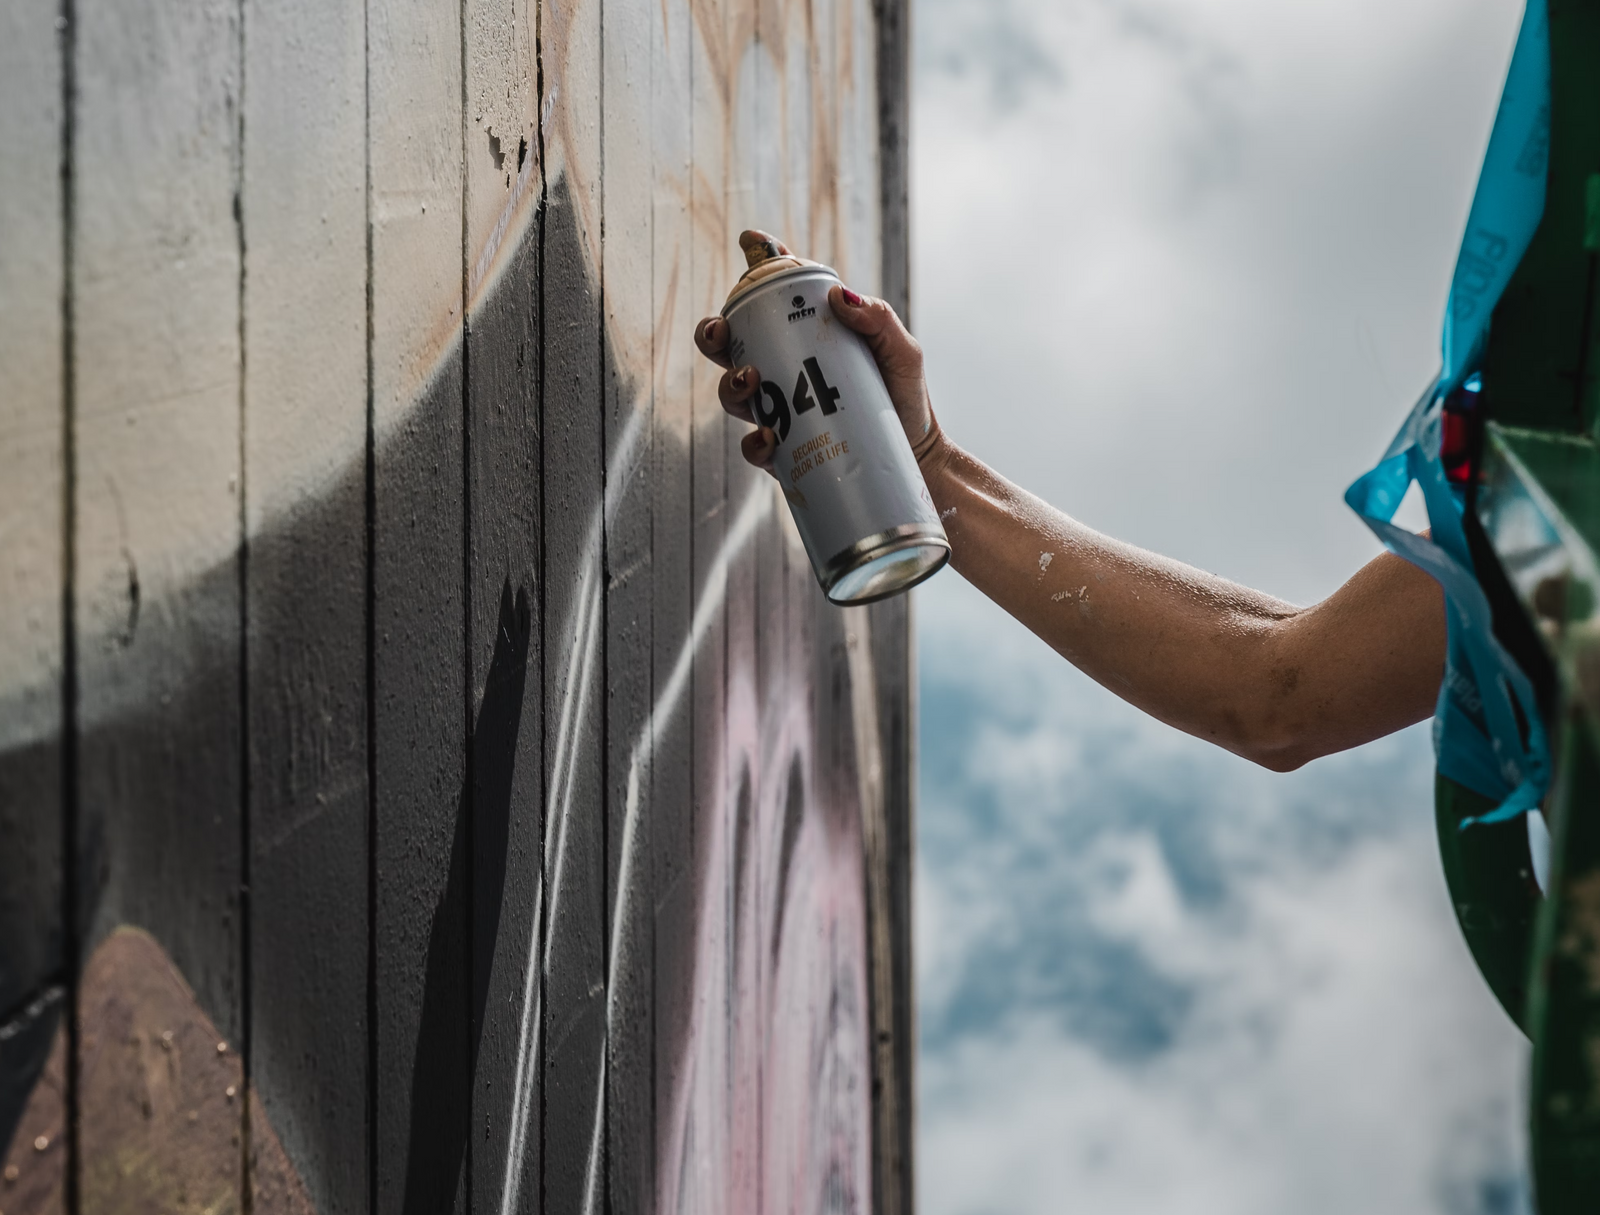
column 430, row 777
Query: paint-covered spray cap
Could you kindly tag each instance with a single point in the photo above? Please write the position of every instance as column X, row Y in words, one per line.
column 765, row 257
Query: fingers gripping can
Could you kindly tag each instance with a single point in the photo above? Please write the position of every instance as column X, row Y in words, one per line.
column 843, row 459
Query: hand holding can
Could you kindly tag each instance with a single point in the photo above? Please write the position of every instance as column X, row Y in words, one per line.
column 830, row 432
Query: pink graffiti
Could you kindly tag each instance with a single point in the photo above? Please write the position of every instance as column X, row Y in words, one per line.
column 772, row 1102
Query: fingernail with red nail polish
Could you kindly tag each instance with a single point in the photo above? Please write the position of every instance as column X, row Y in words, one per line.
column 740, row 376
column 850, row 297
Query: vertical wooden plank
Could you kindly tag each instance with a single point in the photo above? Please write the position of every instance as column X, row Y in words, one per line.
column 31, row 498
column 765, row 144
column 794, row 133
column 888, row 840
column 575, row 630
column 744, row 751
column 855, row 209
column 420, row 800
column 1563, row 1011
column 892, row 80
column 672, row 773
column 891, row 848
column 743, row 748
column 704, row 286
column 744, row 55
column 157, row 349
column 745, row 742
column 626, row 261
column 506, row 654
column 757, row 617
column 775, row 685
column 881, row 109
column 304, row 210
column 715, row 788
column 507, row 744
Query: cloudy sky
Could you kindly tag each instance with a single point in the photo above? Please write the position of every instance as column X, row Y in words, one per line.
column 1179, row 268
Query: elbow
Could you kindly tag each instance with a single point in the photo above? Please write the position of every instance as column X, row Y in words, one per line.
column 1274, row 740
column 1285, row 758
column 1274, row 720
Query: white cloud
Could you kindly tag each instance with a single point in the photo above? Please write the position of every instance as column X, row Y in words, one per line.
column 1155, row 979
column 1337, row 1062
column 1180, row 268
column 1207, row 262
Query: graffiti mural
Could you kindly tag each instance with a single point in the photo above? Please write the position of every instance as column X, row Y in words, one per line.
column 430, row 777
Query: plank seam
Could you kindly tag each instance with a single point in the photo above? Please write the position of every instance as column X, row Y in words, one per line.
column 541, row 926
column 604, row 1173
column 71, row 793
column 369, row 624
column 469, row 783
column 246, row 985
column 894, row 1062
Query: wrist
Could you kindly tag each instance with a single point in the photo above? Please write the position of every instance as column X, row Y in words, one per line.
column 933, row 451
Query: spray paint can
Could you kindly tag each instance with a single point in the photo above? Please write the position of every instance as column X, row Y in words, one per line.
column 852, row 484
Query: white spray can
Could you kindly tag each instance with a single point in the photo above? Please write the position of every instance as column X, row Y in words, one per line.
column 852, row 484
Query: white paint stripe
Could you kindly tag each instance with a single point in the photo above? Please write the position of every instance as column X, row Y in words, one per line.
column 556, row 822
column 522, row 1091
column 580, row 675
column 591, row 1180
column 754, row 508
column 582, row 655
column 591, row 650
column 559, row 800
column 757, row 502
column 582, row 649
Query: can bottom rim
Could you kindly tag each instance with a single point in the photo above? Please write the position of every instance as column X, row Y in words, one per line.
column 885, row 564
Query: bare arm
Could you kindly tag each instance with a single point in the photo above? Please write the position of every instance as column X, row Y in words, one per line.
column 1276, row 684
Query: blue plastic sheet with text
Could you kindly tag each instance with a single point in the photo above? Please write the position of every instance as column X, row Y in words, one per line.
column 1487, row 731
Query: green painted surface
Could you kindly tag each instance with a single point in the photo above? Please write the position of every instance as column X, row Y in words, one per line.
column 1564, row 1000
column 1542, row 367
column 1538, row 499
column 1490, row 874
column 1539, row 502
column 1566, row 468
column 1591, row 217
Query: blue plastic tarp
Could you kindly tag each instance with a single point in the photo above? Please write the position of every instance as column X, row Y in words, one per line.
column 1487, row 731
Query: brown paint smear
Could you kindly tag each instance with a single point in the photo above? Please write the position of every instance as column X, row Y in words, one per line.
column 726, row 30
column 160, row 1105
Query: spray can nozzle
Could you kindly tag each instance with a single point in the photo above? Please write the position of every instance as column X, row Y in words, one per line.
column 759, row 247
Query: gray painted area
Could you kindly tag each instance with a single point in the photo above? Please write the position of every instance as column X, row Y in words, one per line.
column 395, row 636
column 31, row 558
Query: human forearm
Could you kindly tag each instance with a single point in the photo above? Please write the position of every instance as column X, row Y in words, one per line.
column 1254, row 674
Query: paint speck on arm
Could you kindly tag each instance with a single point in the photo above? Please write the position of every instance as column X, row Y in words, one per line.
column 946, row 514
column 1059, row 596
column 1045, row 559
